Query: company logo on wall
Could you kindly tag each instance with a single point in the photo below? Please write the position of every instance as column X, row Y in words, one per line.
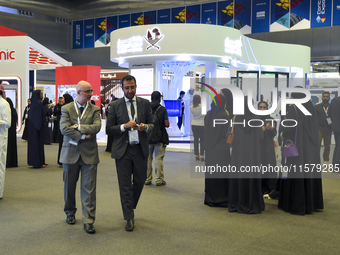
column 153, row 37
column 7, row 55
column 233, row 46
column 321, row 11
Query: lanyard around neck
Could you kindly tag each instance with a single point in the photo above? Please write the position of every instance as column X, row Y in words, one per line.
column 76, row 107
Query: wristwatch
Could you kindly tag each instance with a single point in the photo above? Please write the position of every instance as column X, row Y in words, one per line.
column 75, row 126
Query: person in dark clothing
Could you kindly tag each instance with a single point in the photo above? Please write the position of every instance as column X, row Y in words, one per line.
column 109, row 137
column 12, row 151
column 25, row 120
column 35, row 145
column 180, row 119
column 229, row 96
column 67, row 99
column 335, row 118
column 324, row 125
column 216, row 152
column 47, row 130
column 301, row 191
column 158, row 147
column 268, row 150
column 245, row 188
column 56, row 114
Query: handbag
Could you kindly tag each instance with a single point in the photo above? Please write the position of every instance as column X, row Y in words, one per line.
column 231, row 136
column 289, row 148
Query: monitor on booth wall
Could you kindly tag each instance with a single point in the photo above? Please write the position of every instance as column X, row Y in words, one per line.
column 173, row 107
column 12, row 94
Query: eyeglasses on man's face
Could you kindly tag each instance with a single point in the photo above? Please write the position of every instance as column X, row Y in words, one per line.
column 88, row 91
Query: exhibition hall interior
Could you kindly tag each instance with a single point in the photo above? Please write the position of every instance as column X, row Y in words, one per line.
column 219, row 182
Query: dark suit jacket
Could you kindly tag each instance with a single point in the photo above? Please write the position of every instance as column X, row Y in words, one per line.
column 118, row 115
column 322, row 121
column 90, row 124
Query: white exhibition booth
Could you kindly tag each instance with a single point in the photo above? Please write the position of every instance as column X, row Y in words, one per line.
column 18, row 55
column 159, row 56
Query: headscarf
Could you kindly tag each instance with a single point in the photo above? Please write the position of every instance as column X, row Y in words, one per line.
column 13, row 111
column 217, row 134
column 310, row 122
column 37, row 112
column 2, row 88
column 45, row 101
column 263, row 117
column 229, row 96
column 68, row 98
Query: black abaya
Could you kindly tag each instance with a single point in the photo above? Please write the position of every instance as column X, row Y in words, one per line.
column 12, row 152
column 301, row 192
column 26, row 120
column 245, row 189
column 217, row 152
column 36, row 115
column 68, row 99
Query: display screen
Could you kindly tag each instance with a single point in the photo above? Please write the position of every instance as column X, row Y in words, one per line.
column 174, row 108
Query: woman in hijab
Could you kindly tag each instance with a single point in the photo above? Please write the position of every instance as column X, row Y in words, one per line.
column 229, row 96
column 217, row 152
column 301, row 191
column 67, row 99
column 35, row 145
column 25, row 120
column 245, row 189
column 12, row 151
column 47, row 129
column 268, row 150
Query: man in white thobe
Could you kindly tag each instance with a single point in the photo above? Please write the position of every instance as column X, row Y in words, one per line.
column 5, row 124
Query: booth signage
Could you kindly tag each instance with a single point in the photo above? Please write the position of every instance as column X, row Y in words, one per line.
column 132, row 44
column 135, row 43
column 233, row 46
column 7, row 56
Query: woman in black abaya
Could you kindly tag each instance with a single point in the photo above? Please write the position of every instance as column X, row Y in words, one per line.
column 217, row 152
column 245, row 189
column 12, row 152
column 301, row 191
column 67, row 99
column 268, row 151
column 35, row 145
column 25, row 120
column 47, row 130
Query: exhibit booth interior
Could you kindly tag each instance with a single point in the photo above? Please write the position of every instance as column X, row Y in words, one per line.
column 174, row 57
column 20, row 57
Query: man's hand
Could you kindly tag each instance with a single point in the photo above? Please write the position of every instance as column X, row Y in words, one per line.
column 130, row 124
column 88, row 137
column 141, row 127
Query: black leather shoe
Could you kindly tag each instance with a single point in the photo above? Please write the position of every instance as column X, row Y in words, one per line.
column 89, row 228
column 71, row 219
column 130, row 224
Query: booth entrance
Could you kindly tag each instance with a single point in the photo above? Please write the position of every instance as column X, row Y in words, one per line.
column 166, row 57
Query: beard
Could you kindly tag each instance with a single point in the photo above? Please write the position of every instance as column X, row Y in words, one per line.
column 325, row 101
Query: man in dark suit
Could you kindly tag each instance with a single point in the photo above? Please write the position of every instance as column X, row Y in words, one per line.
column 324, row 125
column 129, row 121
column 80, row 122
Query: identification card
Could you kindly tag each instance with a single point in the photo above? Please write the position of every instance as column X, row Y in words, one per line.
column 329, row 121
column 133, row 136
column 26, row 116
column 73, row 142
